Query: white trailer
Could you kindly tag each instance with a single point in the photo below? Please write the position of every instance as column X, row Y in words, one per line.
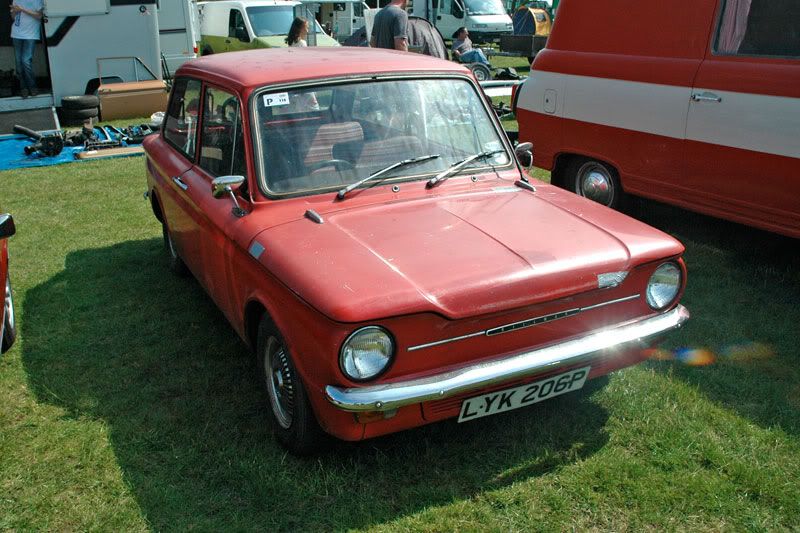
column 85, row 40
column 178, row 31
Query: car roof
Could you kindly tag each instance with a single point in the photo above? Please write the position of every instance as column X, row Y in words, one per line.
column 256, row 68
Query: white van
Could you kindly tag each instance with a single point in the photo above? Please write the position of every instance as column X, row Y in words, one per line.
column 486, row 20
column 231, row 25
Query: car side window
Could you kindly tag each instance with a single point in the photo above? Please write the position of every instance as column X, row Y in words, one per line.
column 235, row 23
column 759, row 28
column 222, row 139
column 180, row 124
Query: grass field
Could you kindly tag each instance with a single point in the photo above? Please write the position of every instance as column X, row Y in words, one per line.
column 128, row 404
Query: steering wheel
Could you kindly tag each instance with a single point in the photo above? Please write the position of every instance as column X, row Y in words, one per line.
column 338, row 164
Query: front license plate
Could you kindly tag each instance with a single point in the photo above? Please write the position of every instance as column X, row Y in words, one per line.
column 506, row 400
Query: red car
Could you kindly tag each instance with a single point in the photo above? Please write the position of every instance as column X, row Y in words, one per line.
column 363, row 222
column 8, row 327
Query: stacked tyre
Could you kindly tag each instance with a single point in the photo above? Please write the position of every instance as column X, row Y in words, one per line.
column 78, row 109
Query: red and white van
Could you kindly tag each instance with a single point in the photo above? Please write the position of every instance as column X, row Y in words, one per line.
column 693, row 104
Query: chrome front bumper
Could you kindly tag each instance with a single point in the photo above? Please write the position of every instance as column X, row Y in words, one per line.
column 390, row 396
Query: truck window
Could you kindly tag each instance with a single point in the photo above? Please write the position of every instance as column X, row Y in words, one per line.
column 180, row 125
column 236, row 23
column 759, row 28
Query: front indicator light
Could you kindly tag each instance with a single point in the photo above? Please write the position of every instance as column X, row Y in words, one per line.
column 664, row 285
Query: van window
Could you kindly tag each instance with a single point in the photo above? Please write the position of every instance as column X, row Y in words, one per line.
column 222, row 142
column 235, row 22
column 180, row 125
column 759, row 28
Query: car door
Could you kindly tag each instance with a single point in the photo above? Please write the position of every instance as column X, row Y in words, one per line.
column 181, row 125
column 743, row 147
column 221, row 153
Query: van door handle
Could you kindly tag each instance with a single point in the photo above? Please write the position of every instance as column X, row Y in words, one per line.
column 179, row 182
column 706, row 97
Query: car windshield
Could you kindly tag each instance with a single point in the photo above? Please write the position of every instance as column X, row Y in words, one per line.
column 328, row 137
column 273, row 20
column 485, row 7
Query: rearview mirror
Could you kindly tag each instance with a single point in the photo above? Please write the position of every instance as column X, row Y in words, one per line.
column 524, row 153
column 7, row 228
column 225, row 186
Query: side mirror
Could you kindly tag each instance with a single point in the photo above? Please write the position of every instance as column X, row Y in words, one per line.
column 524, row 153
column 7, row 228
column 241, row 34
column 458, row 12
column 226, row 186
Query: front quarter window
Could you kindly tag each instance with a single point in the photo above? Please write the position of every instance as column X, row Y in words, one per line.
column 326, row 137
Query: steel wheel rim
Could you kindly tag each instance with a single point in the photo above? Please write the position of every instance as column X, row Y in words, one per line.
column 8, row 305
column 595, row 183
column 280, row 382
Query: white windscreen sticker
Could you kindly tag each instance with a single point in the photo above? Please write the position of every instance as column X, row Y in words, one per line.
column 272, row 100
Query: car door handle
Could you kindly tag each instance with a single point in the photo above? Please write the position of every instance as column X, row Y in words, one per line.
column 179, row 182
column 706, row 97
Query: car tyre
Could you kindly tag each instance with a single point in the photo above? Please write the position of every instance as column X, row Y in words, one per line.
column 596, row 181
column 82, row 101
column 293, row 420
column 176, row 264
column 9, row 322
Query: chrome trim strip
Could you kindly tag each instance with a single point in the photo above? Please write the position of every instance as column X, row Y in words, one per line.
column 384, row 397
column 528, row 322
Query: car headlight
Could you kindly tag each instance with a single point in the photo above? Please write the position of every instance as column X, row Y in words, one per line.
column 664, row 285
column 366, row 353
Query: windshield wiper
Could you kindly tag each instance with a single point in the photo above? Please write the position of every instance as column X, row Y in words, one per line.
column 455, row 167
column 343, row 192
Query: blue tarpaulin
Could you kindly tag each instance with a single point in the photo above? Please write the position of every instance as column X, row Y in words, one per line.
column 12, row 153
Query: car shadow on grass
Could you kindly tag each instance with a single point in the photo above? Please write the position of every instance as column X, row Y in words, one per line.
column 744, row 294
column 116, row 337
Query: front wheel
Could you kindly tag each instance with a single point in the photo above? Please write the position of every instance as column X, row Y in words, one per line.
column 9, row 323
column 294, row 422
column 596, row 181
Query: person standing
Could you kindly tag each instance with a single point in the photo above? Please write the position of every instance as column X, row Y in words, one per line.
column 26, row 16
column 390, row 29
column 298, row 33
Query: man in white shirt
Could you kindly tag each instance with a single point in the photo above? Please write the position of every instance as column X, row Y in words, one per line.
column 26, row 17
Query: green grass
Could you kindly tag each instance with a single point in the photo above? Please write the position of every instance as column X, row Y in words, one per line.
column 128, row 404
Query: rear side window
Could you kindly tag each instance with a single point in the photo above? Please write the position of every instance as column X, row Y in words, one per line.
column 222, row 143
column 180, row 125
column 759, row 28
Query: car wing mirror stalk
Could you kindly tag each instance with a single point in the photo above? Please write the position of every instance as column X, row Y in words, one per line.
column 226, row 186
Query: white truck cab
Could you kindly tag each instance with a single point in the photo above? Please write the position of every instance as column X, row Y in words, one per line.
column 486, row 20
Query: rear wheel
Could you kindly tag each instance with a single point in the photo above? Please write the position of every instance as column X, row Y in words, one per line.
column 176, row 264
column 596, row 181
column 293, row 420
column 9, row 323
